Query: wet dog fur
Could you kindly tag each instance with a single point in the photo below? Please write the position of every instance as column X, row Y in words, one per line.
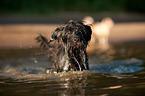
column 67, row 47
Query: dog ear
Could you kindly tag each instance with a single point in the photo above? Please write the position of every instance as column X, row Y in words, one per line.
column 88, row 33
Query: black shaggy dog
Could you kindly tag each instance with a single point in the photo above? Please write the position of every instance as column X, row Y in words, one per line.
column 67, row 47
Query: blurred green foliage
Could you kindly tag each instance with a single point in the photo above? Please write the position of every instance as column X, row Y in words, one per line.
column 55, row 6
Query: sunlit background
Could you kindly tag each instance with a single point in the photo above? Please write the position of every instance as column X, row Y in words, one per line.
column 116, row 51
column 30, row 17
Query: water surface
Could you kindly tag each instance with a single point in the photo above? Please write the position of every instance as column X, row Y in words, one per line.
column 118, row 71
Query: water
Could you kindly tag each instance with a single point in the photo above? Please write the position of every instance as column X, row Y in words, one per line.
column 119, row 71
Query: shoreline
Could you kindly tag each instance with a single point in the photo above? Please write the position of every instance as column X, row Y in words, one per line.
column 61, row 18
column 15, row 36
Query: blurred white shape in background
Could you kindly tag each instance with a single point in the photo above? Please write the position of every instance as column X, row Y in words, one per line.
column 100, row 31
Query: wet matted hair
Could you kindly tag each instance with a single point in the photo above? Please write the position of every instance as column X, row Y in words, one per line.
column 67, row 46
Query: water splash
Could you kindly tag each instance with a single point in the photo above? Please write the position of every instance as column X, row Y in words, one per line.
column 37, row 72
column 118, row 66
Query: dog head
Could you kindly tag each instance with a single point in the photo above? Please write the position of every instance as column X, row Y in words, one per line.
column 74, row 34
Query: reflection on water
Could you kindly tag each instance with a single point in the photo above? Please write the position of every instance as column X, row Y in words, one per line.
column 117, row 71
